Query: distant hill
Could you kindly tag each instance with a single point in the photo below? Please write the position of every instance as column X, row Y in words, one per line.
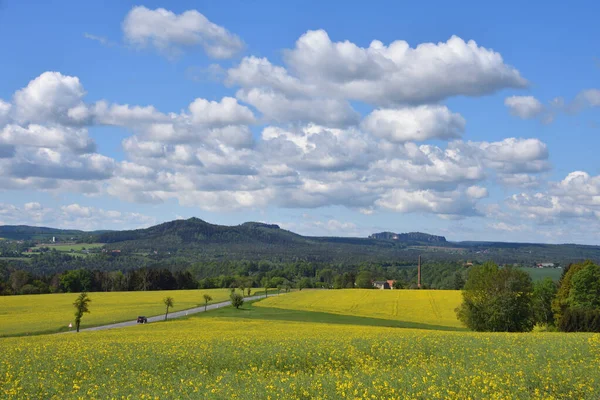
column 196, row 231
column 41, row 233
column 251, row 240
column 25, row 232
column 411, row 237
column 194, row 240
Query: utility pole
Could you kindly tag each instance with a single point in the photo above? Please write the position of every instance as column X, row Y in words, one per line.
column 419, row 274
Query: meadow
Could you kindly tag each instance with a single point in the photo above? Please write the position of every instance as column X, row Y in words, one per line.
column 541, row 273
column 70, row 246
column 289, row 347
column 40, row 313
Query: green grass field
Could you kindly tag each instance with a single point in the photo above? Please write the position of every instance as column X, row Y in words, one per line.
column 541, row 273
column 30, row 314
column 267, row 351
column 71, row 246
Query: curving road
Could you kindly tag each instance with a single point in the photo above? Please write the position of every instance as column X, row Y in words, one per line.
column 176, row 314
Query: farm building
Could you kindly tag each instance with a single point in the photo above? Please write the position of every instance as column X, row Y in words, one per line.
column 389, row 284
column 545, row 265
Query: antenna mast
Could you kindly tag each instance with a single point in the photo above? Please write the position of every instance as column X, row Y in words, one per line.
column 419, row 274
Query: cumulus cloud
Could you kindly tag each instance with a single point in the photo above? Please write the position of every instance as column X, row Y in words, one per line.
column 73, row 216
column 223, row 113
column 452, row 204
column 525, row 107
column 124, row 114
column 276, row 107
column 382, row 75
column 509, row 156
column 54, row 137
column 576, row 196
column 313, row 152
column 414, row 123
column 48, row 98
column 528, row 107
column 170, row 32
column 4, row 112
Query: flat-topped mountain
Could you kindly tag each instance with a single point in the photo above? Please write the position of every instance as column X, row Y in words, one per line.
column 409, row 237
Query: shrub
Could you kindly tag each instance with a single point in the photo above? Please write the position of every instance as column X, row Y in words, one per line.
column 236, row 300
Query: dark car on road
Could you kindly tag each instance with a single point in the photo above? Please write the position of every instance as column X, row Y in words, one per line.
column 142, row 320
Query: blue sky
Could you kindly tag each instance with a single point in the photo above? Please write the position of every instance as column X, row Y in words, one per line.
column 118, row 115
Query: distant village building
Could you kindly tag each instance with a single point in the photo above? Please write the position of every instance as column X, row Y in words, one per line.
column 389, row 284
column 545, row 265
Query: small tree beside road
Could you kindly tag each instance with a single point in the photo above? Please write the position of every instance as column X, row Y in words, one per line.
column 169, row 302
column 81, row 306
column 207, row 298
column 236, row 300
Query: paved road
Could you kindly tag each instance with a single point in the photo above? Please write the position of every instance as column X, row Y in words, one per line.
column 172, row 315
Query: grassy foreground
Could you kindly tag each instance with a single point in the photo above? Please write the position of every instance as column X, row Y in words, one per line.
column 30, row 314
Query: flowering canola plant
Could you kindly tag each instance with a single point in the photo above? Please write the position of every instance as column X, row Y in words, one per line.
column 434, row 308
column 235, row 357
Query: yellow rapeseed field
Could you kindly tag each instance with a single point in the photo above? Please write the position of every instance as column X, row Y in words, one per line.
column 53, row 312
column 225, row 358
column 433, row 309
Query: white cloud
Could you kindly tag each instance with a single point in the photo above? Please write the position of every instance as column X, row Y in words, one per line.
column 55, row 137
column 399, row 74
column 73, row 216
column 506, row 227
column 4, row 112
column 124, row 114
column 477, row 192
column 524, row 181
column 525, row 107
column 48, row 98
column 277, row 107
column 576, row 196
column 584, row 99
column 206, row 156
column 223, row 113
column 510, row 155
column 414, row 123
column 170, row 32
column 452, row 204
column 100, row 39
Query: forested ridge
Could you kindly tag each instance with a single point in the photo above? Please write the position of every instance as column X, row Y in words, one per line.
column 216, row 256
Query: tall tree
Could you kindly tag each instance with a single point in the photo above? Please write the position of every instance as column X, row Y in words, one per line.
column 364, row 280
column 497, row 299
column 169, row 302
column 81, row 306
column 544, row 292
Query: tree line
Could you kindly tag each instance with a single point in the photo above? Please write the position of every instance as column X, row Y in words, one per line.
column 506, row 300
column 227, row 274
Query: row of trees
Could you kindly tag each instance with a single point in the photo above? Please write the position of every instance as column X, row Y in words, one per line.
column 82, row 304
column 506, row 299
column 264, row 274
